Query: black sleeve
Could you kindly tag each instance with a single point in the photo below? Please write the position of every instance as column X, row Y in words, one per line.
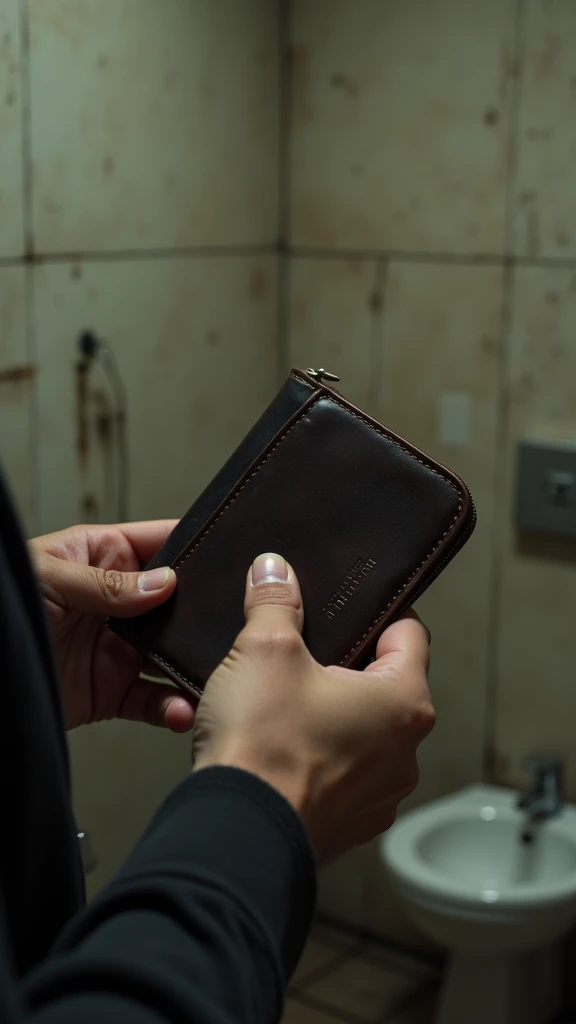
column 204, row 924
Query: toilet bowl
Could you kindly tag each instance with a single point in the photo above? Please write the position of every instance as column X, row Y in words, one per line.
column 497, row 897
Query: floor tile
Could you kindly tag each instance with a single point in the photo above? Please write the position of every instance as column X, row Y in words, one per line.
column 298, row 1013
column 364, row 989
column 324, row 946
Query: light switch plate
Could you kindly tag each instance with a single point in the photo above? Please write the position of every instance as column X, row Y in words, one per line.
column 546, row 487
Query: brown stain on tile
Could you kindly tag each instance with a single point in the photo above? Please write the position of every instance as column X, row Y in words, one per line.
column 82, row 433
column 529, row 204
column 509, row 68
column 76, row 271
column 213, row 339
column 375, row 301
column 551, row 297
column 89, row 506
column 103, row 61
column 104, row 418
column 108, row 165
column 345, row 83
column 490, row 346
column 258, row 284
column 545, row 62
column 67, row 18
column 17, row 375
column 491, row 116
column 302, row 111
column 499, row 766
column 539, row 134
column 204, row 408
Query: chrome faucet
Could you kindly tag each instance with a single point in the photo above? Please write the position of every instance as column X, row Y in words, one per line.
column 545, row 798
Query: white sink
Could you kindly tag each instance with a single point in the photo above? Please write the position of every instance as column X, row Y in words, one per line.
column 468, row 850
column 496, row 895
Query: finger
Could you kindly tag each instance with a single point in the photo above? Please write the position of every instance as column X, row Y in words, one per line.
column 107, row 592
column 403, row 653
column 147, row 537
column 158, row 705
column 273, row 603
column 408, row 635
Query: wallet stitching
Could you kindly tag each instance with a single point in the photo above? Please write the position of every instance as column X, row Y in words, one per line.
column 279, row 440
column 403, row 587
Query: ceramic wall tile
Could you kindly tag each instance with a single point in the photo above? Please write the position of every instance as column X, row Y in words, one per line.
column 437, row 354
column 11, row 178
column 334, row 317
column 400, row 119
column 545, row 200
column 16, row 392
column 439, row 388
column 536, row 705
column 160, row 127
column 193, row 343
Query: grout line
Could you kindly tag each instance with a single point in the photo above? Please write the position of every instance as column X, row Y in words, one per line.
column 364, row 937
column 333, row 1011
column 377, row 335
column 340, row 958
column 502, row 420
column 113, row 255
column 28, row 231
column 383, row 256
column 284, row 189
column 269, row 249
column 445, row 258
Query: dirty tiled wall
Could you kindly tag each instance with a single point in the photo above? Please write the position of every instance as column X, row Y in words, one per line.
column 138, row 198
column 433, row 264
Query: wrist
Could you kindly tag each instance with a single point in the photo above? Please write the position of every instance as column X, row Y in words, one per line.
column 285, row 775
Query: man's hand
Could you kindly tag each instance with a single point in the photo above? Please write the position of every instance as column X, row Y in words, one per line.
column 86, row 575
column 340, row 745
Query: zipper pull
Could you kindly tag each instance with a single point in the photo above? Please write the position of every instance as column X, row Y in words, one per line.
column 321, row 375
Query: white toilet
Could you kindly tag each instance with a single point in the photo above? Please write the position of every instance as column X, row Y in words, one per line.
column 473, row 883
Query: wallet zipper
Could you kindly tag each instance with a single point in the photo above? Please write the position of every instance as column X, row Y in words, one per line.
column 322, row 374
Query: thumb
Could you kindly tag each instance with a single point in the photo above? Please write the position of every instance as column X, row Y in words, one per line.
column 88, row 590
column 273, row 603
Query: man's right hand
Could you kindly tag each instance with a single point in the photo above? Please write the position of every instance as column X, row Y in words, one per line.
column 340, row 745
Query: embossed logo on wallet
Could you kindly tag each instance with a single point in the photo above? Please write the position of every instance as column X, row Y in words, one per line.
column 362, row 567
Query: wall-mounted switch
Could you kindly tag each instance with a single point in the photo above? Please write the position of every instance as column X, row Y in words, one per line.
column 546, row 487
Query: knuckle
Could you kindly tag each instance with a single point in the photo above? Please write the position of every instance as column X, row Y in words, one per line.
column 113, row 583
column 426, row 718
column 273, row 644
column 419, row 718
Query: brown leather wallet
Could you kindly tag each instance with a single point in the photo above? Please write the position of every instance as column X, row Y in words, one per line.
column 366, row 520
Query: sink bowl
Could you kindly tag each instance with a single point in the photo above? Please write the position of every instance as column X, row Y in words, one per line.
column 470, row 851
column 497, row 895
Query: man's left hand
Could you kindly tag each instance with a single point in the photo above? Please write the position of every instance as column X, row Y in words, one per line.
column 87, row 574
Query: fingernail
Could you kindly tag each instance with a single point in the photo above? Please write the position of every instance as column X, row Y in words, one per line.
column 269, row 568
column 154, row 579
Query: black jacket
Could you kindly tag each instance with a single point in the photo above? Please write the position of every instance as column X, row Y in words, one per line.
column 206, row 921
